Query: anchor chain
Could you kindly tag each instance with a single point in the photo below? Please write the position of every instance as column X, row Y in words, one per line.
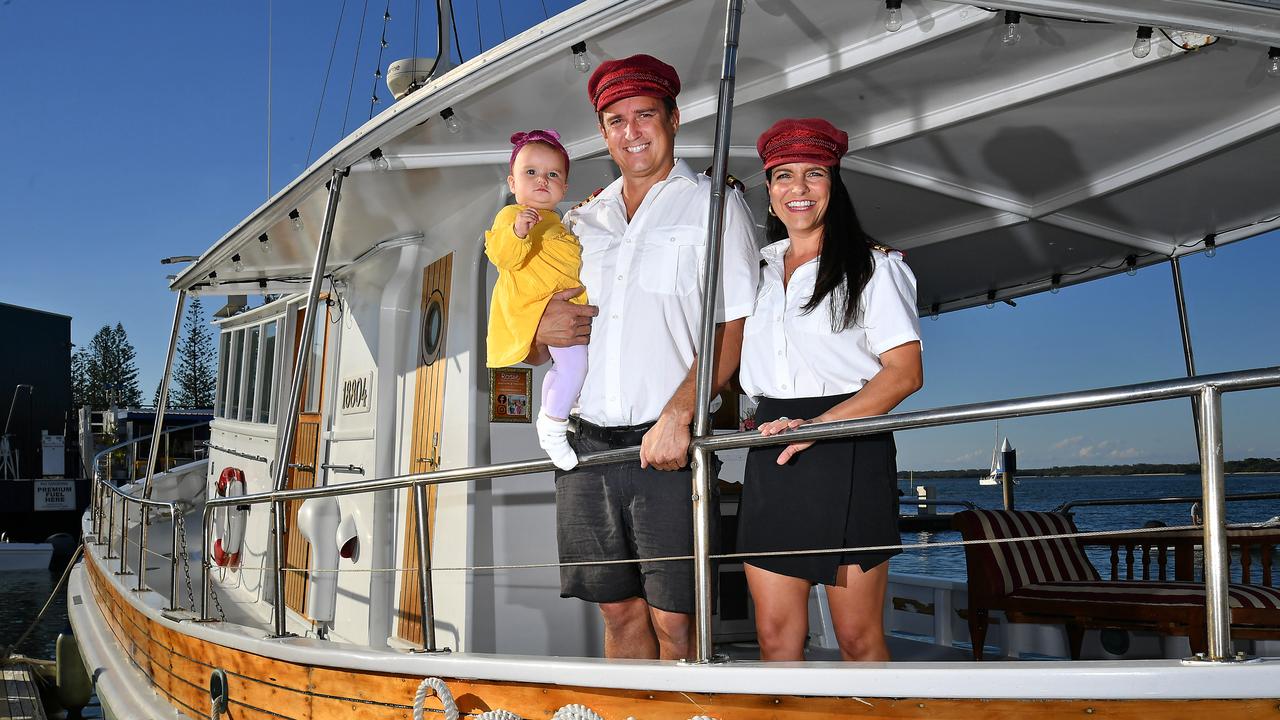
column 181, row 523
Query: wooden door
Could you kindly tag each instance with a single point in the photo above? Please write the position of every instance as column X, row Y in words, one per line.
column 306, row 447
column 428, row 408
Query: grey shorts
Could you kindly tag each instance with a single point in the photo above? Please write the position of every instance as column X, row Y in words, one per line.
column 614, row 512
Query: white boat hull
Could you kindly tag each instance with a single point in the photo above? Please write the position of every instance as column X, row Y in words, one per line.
column 25, row 556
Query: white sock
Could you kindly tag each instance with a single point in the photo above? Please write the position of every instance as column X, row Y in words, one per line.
column 554, row 439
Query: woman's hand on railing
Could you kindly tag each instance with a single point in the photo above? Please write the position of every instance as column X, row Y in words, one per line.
column 781, row 425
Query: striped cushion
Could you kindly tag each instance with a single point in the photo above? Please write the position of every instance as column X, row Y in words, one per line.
column 1014, row 565
column 1142, row 592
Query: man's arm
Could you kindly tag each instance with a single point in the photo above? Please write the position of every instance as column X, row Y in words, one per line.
column 562, row 324
column 666, row 445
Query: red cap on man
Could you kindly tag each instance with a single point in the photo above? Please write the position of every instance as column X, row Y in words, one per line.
column 638, row 75
column 811, row 140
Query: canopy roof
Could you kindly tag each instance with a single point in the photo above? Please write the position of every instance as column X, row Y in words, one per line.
column 997, row 169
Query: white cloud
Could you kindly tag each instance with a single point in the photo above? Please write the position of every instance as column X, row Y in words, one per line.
column 1067, row 442
column 1126, row 454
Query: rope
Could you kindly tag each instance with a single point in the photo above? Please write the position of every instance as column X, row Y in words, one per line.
column 441, row 690
column 346, row 110
column 498, row 715
column 576, row 712
column 57, row 590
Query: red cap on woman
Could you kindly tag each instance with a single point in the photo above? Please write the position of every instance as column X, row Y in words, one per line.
column 638, row 75
column 809, row 140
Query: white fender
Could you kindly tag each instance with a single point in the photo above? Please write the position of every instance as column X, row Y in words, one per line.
column 318, row 522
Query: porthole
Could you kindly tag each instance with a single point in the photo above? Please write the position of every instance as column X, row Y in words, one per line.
column 432, row 334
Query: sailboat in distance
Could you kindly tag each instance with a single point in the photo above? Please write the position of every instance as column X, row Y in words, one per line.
column 996, row 475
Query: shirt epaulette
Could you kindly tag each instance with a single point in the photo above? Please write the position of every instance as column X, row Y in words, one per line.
column 887, row 250
column 590, row 197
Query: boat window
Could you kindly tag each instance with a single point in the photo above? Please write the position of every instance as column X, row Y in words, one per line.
column 224, row 344
column 315, row 362
column 236, row 362
column 251, row 370
column 268, row 371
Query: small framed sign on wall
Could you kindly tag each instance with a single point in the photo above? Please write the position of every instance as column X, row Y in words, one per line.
column 510, row 395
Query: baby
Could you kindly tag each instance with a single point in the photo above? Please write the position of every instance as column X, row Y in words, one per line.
column 536, row 257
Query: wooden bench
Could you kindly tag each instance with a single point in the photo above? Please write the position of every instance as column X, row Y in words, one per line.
column 1053, row 581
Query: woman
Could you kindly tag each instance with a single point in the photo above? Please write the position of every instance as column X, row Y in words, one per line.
column 835, row 335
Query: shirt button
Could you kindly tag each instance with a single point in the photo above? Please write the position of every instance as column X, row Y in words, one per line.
column 673, row 239
column 784, row 386
column 780, row 353
column 615, row 317
column 619, row 277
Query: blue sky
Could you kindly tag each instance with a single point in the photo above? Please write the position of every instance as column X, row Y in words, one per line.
column 134, row 131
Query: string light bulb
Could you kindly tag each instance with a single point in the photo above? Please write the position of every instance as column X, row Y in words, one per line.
column 213, row 279
column 296, row 218
column 451, row 120
column 893, row 15
column 1273, row 62
column 1210, row 245
column 236, row 263
column 580, row 61
column 1142, row 44
column 1131, row 265
column 264, row 244
column 380, row 162
column 933, row 311
column 1012, row 33
column 1055, row 285
column 991, row 299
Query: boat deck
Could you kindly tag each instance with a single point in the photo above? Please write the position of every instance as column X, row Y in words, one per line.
column 21, row 696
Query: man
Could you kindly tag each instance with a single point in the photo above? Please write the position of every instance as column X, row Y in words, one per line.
column 643, row 241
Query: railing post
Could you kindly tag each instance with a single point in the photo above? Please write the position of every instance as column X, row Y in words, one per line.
column 1216, row 570
column 705, row 377
column 124, row 537
column 111, row 523
column 424, row 569
column 144, row 514
column 162, row 402
column 285, row 450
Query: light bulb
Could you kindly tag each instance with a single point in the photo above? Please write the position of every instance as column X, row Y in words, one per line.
column 236, row 263
column 933, row 312
column 296, row 217
column 1012, row 34
column 1273, row 64
column 580, row 61
column 1055, row 286
column 264, row 244
column 451, row 120
column 1131, row 265
column 991, row 299
column 893, row 16
column 1142, row 44
column 213, row 279
column 379, row 160
column 1210, row 246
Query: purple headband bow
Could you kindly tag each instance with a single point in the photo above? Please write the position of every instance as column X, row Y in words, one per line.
column 547, row 136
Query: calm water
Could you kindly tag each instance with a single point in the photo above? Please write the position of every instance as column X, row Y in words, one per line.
column 1049, row 493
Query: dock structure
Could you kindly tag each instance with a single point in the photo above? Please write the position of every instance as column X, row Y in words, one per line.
column 20, row 699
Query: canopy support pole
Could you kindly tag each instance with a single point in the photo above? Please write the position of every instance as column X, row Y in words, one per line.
column 705, row 378
column 290, row 430
column 162, row 402
column 1188, row 353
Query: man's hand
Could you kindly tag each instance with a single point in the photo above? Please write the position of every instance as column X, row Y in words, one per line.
column 666, row 445
column 562, row 324
column 525, row 221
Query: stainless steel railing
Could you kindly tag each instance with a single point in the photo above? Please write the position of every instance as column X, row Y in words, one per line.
column 1207, row 388
column 1067, row 507
column 105, row 493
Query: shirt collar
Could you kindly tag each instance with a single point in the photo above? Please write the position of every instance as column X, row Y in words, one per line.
column 775, row 253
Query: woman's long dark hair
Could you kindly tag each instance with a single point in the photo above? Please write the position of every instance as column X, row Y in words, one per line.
column 845, row 264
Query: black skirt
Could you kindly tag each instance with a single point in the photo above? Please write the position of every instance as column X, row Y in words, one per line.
column 837, row 493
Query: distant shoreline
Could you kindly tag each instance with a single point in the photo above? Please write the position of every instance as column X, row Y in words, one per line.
column 1248, row 466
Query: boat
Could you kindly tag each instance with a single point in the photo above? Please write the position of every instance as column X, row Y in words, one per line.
column 368, row 538
column 25, row 556
column 996, row 475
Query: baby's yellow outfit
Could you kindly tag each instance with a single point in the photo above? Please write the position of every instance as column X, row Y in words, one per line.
column 530, row 270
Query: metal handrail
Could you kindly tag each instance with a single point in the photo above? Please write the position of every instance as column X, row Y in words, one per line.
column 209, row 444
column 97, row 461
column 1207, row 388
column 1241, row 497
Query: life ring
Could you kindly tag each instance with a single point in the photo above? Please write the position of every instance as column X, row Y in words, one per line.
column 228, row 521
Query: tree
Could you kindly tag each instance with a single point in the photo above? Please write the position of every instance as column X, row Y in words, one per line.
column 194, row 381
column 106, row 372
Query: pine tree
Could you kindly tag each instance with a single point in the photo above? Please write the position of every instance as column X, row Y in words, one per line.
column 193, row 377
column 106, row 371
column 80, row 378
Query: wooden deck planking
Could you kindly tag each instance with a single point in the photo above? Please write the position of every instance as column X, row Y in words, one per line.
column 21, row 700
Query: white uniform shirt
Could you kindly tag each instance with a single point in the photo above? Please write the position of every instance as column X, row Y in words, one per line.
column 646, row 278
column 789, row 354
